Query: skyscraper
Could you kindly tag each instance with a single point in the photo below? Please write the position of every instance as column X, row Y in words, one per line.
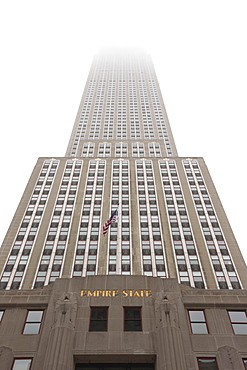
column 171, row 238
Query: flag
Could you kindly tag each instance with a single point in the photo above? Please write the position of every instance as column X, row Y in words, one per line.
column 112, row 219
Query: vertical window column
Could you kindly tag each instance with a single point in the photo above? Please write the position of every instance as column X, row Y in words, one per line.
column 158, row 112
column 86, row 254
column 20, row 253
column 85, row 112
column 185, row 252
column 110, row 105
column 152, row 245
column 222, row 263
column 100, row 96
column 121, row 110
column 52, row 259
column 119, row 258
column 145, row 105
column 133, row 106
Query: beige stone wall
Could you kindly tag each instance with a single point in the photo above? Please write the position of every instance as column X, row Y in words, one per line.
column 165, row 339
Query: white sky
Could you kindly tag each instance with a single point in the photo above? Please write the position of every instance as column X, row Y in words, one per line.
column 199, row 53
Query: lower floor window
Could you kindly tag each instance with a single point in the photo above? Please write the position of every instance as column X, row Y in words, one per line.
column 22, row 364
column 207, row 363
column 132, row 319
column 33, row 322
column 238, row 321
column 245, row 363
column 98, row 319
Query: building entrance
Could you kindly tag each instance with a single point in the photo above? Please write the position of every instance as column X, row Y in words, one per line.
column 114, row 366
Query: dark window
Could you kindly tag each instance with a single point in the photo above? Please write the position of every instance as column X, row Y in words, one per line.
column 1, row 315
column 199, row 284
column 98, row 319
column 33, row 322
column 132, row 319
column 21, row 364
column 15, row 285
column 198, row 322
column 238, row 321
column 245, row 363
column 207, row 364
column 38, row 284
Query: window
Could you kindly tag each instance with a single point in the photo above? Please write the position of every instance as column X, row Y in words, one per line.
column 238, row 321
column 22, row 364
column 33, row 322
column 207, row 364
column 132, row 319
column 198, row 322
column 98, row 319
column 1, row 315
column 245, row 363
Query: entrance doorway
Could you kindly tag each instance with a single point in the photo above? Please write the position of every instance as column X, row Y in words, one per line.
column 114, row 366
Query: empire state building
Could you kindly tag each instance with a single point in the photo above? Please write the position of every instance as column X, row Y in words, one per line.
column 166, row 277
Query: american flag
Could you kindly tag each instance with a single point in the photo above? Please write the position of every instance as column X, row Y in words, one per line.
column 112, row 219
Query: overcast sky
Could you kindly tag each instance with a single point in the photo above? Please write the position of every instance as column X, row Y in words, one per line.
column 199, row 53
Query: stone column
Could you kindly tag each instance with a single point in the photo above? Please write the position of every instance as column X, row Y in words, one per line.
column 170, row 353
column 229, row 359
column 59, row 355
column 6, row 358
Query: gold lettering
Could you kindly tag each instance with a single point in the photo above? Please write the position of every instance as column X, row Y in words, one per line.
column 115, row 293
column 148, row 293
column 108, row 293
column 91, row 294
column 100, row 293
column 136, row 294
column 83, row 293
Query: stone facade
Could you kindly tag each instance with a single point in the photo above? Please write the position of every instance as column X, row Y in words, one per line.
column 166, row 340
